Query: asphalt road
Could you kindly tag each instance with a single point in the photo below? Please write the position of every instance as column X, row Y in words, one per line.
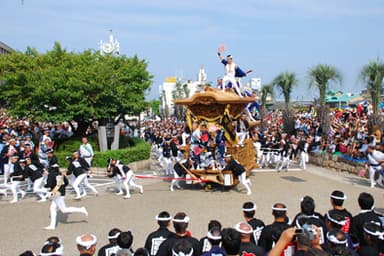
column 22, row 223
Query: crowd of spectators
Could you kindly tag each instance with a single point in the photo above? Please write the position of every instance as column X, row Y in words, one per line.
column 25, row 126
column 349, row 135
column 39, row 138
column 335, row 232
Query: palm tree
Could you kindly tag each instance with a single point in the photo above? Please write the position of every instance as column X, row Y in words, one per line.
column 266, row 91
column 372, row 74
column 286, row 81
column 321, row 76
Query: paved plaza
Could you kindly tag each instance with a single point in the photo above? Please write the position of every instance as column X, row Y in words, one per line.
column 22, row 223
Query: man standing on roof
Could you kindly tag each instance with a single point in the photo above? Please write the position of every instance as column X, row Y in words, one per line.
column 232, row 71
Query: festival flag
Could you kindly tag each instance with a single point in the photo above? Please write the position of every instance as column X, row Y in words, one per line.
column 197, row 150
column 221, row 48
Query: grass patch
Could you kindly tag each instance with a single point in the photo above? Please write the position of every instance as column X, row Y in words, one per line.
column 139, row 150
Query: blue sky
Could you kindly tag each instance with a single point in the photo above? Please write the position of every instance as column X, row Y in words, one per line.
column 177, row 37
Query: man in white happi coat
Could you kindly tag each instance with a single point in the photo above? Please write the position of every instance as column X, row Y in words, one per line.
column 232, row 71
column 86, row 151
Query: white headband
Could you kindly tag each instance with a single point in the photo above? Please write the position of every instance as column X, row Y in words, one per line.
column 339, row 197
column 210, row 236
column 185, row 220
column 86, row 244
column 339, row 222
column 378, row 234
column 182, row 254
column 114, row 236
column 250, row 209
column 58, row 241
column 333, row 239
column 163, row 218
column 238, row 229
column 279, row 209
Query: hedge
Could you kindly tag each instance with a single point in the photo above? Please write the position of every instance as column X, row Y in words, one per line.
column 141, row 151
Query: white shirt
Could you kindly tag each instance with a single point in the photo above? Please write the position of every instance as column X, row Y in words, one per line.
column 230, row 69
column 375, row 157
column 86, row 150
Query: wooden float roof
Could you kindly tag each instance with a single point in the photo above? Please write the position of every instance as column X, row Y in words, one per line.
column 212, row 103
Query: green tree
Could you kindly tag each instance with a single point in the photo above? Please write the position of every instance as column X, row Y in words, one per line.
column 83, row 86
column 372, row 74
column 321, row 76
column 155, row 105
column 285, row 82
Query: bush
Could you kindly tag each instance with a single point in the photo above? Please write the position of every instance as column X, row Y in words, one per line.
column 141, row 151
column 71, row 145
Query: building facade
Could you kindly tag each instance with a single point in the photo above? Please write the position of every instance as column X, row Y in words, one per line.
column 5, row 49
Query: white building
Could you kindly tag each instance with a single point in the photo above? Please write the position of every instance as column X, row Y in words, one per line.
column 176, row 88
column 256, row 83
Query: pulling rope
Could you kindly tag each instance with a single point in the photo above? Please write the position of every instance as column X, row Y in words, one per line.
column 199, row 180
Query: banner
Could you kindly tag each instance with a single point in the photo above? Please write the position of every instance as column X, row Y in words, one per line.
column 229, row 131
column 190, row 119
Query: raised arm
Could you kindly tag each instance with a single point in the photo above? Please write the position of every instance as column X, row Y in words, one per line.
column 220, row 56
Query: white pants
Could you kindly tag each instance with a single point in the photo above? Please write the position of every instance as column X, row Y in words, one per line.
column 168, row 165
column 245, row 182
column 7, row 171
column 372, row 171
column 128, row 181
column 258, row 151
column 231, row 79
column 14, row 186
column 39, row 189
column 88, row 160
column 283, row 163
column 159, row 152
column 58, row 202
column 82, row 178
column 117, row 180
column 175, row 181
column 241, row 137
column 30, row 184
column 304, row 159
column 265, row 158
